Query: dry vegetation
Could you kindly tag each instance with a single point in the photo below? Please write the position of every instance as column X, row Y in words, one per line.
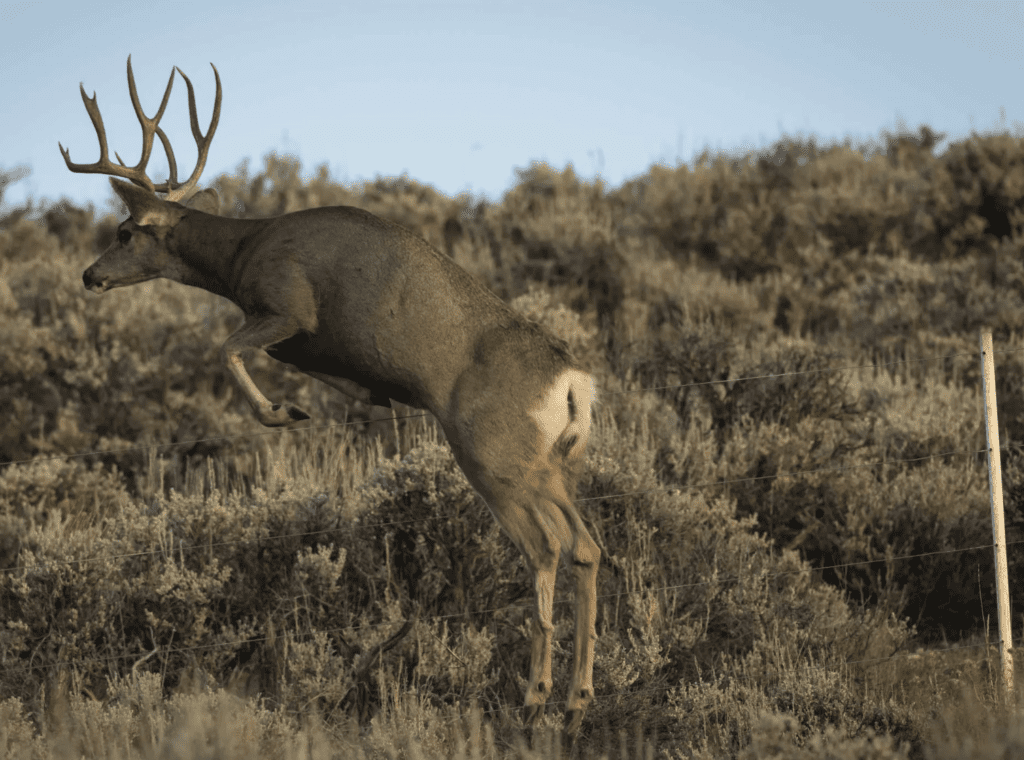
column 207, row 588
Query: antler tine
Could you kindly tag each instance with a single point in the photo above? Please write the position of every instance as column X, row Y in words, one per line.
column 97, row 123
column 174, row 190
column 137, row 173
column 149, row 126
column 172, row 166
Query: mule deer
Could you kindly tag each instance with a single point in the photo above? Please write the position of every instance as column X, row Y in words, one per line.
column 374, row 311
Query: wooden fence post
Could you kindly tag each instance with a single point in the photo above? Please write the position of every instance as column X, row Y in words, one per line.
column 995, row 491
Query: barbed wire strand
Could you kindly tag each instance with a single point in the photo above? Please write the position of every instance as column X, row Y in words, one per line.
column 283, row 430
column 294, row 635
column 354, row 525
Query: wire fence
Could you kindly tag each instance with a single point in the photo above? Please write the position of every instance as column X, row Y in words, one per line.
column 167, row 652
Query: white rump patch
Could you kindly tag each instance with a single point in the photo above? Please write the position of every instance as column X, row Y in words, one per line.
column 552, row 412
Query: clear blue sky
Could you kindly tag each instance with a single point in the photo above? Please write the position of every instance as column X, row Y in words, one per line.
column 457, row 94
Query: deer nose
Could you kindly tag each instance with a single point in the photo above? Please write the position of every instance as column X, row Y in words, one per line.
column 88, row 279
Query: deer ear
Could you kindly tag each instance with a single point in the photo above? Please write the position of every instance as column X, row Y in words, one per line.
column 143, row 206
column 207, row 201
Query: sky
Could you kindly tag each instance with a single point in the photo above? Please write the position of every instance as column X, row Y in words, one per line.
column 459, row 94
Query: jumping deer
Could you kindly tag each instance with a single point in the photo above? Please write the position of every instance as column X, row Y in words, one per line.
column 372, row 310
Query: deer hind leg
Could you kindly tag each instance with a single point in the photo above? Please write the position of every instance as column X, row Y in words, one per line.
column 544, row 565
column 563, row 419
column 540, row 546
column 525, row 464
column 260, row 333
column 541, row 529
column 526, row 509
column 586, row 556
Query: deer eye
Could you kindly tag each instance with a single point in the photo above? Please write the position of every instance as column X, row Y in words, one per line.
column 123, row 236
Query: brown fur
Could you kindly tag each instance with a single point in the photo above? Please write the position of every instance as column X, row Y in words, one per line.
column 372, row 310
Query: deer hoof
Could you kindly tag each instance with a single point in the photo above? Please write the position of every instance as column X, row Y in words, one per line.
column 573, row 719
column 282, row 414
column 532, row 715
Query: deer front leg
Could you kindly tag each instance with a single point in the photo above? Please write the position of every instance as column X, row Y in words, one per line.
column 351, row 389
column 260, row 333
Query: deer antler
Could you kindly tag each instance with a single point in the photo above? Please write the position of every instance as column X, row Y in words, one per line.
column 175, row 191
